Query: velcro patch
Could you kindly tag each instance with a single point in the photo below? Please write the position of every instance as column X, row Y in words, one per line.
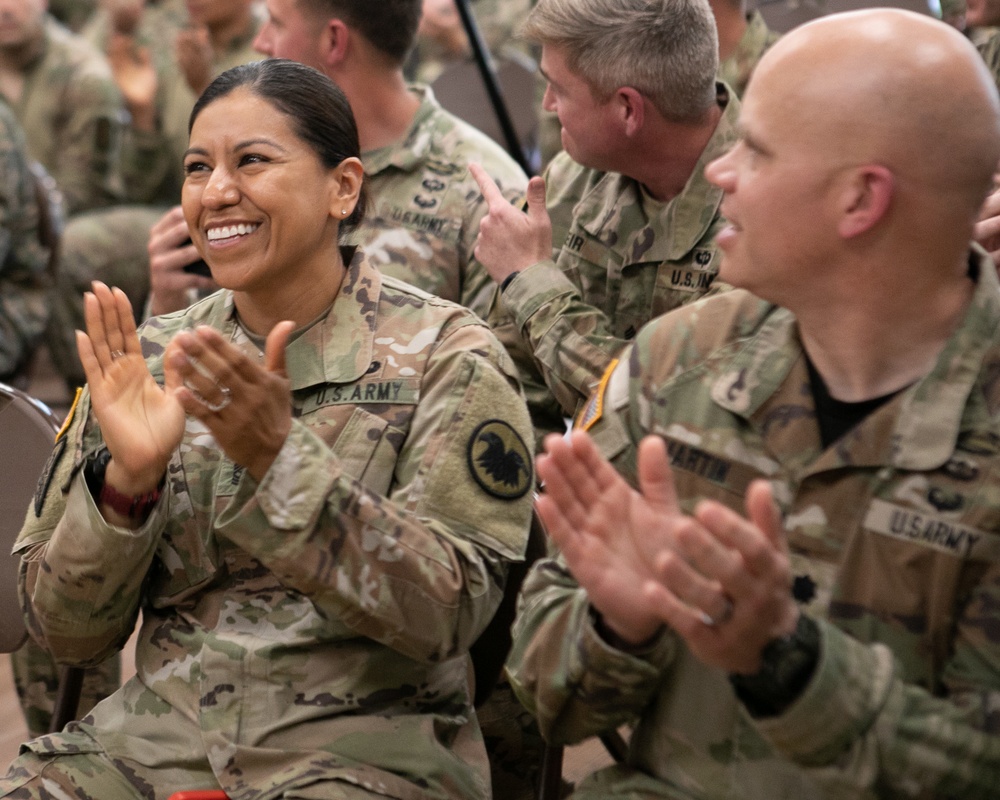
column 45, row 478
column 944, row 535
column 499, row 460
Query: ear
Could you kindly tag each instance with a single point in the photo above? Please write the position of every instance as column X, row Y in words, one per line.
column 631, row 107
column 865, row 199
column 334, row 43
column 346, row 186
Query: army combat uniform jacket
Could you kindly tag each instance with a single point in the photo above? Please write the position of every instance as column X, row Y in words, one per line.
column 425, row 206
column 620, row 258
column 735, row 71
column 894, row 532
column 310, row 631
column 72, row 115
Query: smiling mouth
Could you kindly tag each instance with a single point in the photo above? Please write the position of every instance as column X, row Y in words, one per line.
column 229, row 232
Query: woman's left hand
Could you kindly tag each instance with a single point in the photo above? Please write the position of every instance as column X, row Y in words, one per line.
column 246, row 406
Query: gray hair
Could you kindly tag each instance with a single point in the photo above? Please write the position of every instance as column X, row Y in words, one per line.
column 666, row 49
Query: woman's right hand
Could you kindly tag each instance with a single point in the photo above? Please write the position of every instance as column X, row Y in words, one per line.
column 142, row 422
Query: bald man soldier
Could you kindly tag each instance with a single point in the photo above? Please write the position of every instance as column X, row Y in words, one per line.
column 840, row 637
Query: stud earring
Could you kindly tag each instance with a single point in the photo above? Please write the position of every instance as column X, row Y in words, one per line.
column 343, row 212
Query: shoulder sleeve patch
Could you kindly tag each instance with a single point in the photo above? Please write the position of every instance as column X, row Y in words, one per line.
column 42, row 489
column 499, row 460
column 594, row 408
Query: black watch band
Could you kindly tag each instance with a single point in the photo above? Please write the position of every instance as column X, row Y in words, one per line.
column 507, row 281
column 787, row 664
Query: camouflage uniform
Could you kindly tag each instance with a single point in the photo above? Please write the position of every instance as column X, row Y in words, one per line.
column 620, row 258
column 425, row 209
column 110, row 245
column 23, row 259
column 71, row 112
column 987, row 42
column 735, row 71
column 895, row 538
column 307, row 636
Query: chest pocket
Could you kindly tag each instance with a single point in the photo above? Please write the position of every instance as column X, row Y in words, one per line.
column 682, row 282
column 367, row 447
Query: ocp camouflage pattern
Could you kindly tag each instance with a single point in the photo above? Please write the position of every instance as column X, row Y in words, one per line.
column 308, row 634
column 425, row 206
column 894, row 532
column 619, row 259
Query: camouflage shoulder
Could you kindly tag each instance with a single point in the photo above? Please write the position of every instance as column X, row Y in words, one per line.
column 74, row 441
column 693, row 332
column 460, row 143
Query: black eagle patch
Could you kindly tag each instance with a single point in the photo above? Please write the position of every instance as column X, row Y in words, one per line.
column 499, row 460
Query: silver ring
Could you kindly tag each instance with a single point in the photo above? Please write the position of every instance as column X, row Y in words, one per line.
column 227, row 397
column 722, row 619
column 117, row 354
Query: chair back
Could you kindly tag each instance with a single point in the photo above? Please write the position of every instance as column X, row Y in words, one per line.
column 27, row 431
column 461, row 91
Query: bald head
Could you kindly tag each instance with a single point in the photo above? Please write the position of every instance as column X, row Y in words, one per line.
column 890, row 87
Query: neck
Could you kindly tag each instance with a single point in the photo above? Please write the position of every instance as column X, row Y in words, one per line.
column 222, row 34
column 866, row 344
column 665, row 171
column 383, row 107
column 301, row 302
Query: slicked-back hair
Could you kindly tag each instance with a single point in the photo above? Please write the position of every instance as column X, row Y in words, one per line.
column 666, row 49
column 318, row 109
column 389, row 25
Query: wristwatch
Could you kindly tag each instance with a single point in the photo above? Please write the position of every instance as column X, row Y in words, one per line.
column 787, row 664
column 134, row 507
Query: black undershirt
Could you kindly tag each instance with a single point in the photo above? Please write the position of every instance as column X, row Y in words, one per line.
column 837, row 417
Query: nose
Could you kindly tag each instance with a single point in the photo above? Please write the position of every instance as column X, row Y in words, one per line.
column 262, row 44
column 721, row 172
column 548, row 100
column 220, row 190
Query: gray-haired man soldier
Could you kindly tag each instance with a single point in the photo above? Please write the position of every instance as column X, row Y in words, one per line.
column 622, row 227
column 848, row 646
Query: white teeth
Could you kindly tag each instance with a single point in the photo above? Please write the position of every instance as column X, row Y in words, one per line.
column 214, row 234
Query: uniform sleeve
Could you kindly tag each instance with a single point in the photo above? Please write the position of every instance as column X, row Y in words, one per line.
column 87, row 166
column 24, row 279
column 571, row 340
column 422, row 569
column 81, row 579
column 576, row 683
column 561, row 669
column 861, row 726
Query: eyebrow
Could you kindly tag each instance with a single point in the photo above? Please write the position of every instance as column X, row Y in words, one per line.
column 246, row 143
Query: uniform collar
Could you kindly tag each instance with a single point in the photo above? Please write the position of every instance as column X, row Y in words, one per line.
column 339, row 347
column 918, row 429
column 416, row 145
column 686, row 219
